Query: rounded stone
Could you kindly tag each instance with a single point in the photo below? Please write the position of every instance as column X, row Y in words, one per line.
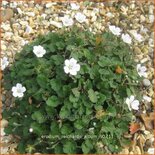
column 4, row 123
column 146, row 82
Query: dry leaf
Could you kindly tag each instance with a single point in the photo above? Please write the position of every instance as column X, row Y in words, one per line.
column 98, row 40
column 137, row 150
column 100, row 113
column 141, row 142
column 1, row 75
column 148, row 120
column 134, row 127
column 30, row 100
column 119, row 70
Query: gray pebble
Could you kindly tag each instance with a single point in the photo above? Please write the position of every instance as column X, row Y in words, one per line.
column 146, row 82
column 3, row 98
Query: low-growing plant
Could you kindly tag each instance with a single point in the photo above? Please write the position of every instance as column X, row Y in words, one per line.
column 78, row 111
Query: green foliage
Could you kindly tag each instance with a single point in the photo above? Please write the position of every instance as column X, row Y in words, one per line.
column 63, row 105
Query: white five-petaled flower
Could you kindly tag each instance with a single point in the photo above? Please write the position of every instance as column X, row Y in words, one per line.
column 67, row 21
column 71, row 66
column 18, row 90
column 4, row 63
column 39, row 51
column 141, row 70
column 126, row 38
column 115, row 30
column 151, row 151
column 74, row 6
column 137, row 36
column 80, row 17
column 132, row 103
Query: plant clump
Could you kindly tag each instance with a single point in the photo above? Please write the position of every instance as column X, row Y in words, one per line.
column 70, row 89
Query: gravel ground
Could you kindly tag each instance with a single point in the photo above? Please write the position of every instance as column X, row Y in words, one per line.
column 22, row 22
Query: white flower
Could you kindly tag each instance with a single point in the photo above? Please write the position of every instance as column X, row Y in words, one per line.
column 30, row 130
column 18, row 90
column 39, row 51
column 147, row 98
column 151, row 18
column 80, row 17
column 132, row 103
column 4, row 63
column 115, row 30
column 71, row 66
column 74, row 6
column 67, row 21
column 151, row 151
column 137, row 36
column 126, row 38
column 141, row 70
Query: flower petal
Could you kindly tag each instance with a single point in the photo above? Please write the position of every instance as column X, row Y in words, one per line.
column 73, row 72
column 67, row 62
column 77, row 67
column 66, row 69
column 23, row 89
column 20, row 95
column 73, row 61
column 132, row 98
column 135, row 105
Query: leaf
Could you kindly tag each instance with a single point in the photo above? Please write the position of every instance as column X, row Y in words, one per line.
column 66, row 129
column 111, row 111
column 79, row 124
column 58, row 149
column 148, row 120
column 73, row 99
column 134, row 127
column 119, row 70
column 54, row 128
column 55, row 85
column 37, row 128
column 64, row 113
column 39, row 116
column 42, row 80
column 98, row 40
column 69, row 147
column 92, row 95
column 87, row 146
column 52, row 101
column 76, row 92
column 57, row 59
column 108, row 127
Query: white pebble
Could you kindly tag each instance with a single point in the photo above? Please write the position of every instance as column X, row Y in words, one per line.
column 146, row 82
column 4, row 3
column 31, row 14
column 19, row 11
column 56, row 24
column 147, row 98
column 48, row 5
column 144, row 60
